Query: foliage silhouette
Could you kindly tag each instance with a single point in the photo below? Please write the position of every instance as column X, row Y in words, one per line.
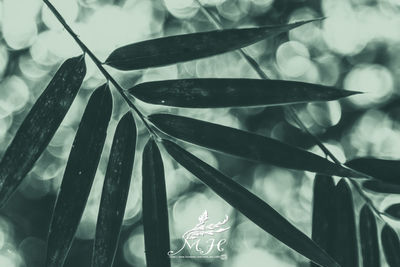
column 334, row 237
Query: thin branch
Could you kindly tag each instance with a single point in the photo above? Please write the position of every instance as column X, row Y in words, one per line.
column 291, row 110
column 99, row 65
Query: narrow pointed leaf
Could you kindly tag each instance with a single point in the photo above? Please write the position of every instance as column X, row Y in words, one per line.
column 251, row 206
column 78, row 176
column 381, row 187
column 216, row 93
column 391, row 246
column 40, row 125
column 394, row 211
column 323, row 212
column 173, row 49
column 155, row 212
column 382, row 169
column 344, row 248
column 115, row 192
column 245, row 145
column 369, row 238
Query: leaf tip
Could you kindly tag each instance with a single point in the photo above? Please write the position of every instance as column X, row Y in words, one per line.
column 128, row 119
column 342, row 186
column 302, row 22
column 351, row 93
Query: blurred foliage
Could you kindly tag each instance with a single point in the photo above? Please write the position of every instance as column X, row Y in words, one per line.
column 356, row 48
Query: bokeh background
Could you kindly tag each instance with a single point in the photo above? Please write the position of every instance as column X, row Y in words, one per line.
column 355, row 48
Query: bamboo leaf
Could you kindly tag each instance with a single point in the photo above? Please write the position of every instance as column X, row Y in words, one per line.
column 394, row 211
column 245, row 145
column 369, row 238
column 173, row 49
column 216, row 93
column 391, row 245
column 384, row 170
column 251, row 206
column 344, row 249
column 78, row 176
column 40, row 125
column 115, row 192
column 323, row 212
column 381, row 187
column 155, row 212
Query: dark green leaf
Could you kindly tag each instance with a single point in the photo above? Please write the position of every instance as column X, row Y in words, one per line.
column 381, row 187
column 115, row 192
column 40, row 125
column 245, row 145
column 155, row 212
column 391, row 246
column 78, row 176
column 394, row 211
column 344, row 249
column 323, row 212
column 384, row 170
column 215, row 93
column 251, row 206
column 369, row 238
column 174, row 49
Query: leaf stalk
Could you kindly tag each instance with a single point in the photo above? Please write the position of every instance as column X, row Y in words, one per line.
column 99, row 65
column 291, row 110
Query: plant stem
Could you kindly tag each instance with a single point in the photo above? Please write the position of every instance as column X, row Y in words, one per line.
column 291, row 110
column 99, row 65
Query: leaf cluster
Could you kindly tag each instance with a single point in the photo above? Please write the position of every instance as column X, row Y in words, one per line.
column 334, row 239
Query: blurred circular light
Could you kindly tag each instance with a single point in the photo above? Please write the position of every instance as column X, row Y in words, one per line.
column 30, row 68
column 61, row 143
column 211, row 2
column 39, row 50
column 274, row 186
column 375, row 80
column 19, row 34
column 134, row 202
column 389, row 144
column 14, row 94
column 160, row 73
column 19, row 22
column 134, row 249
column 176, row 182
column 5, row 124
column 308, row 34
column 329, row 69
column 341, row 34
column 68, row 9
column 92, row 3
column 325, row 114
column 31, row 249
column 368, row 131
column 75, row 112
column 204, row 155
column 62, row 45
column 263, row 3
column 182, row 9
column 234, row 10
column 87, row 226
column 188, row 208
column 48, row 170
column 3, row 58
column 293, row 58
column 257, row 257
column 100, row 32
column 7, row 261
column 1, row 13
